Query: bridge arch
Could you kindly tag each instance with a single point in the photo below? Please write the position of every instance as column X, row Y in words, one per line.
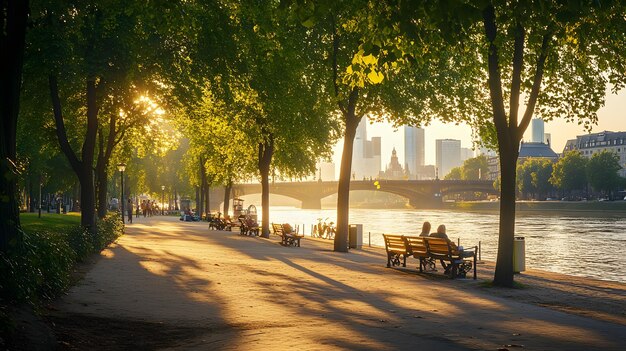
column 420, row 193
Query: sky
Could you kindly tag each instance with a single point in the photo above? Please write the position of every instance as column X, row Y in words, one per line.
column 611, row 117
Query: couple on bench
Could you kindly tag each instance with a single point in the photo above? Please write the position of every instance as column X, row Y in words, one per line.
column 441, row 233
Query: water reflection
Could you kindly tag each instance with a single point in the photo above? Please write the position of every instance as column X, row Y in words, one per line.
column 583, row 246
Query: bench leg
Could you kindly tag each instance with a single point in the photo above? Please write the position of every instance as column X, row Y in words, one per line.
column 476, row 250
column 403, row 260
column 388, row 260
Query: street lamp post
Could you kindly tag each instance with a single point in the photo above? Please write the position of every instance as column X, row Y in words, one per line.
column 162, row 199
column 122, row 167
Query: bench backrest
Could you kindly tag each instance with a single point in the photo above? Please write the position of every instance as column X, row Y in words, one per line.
column 394, row 243
column 278, row 228
column 415, row 245
column 438, row 247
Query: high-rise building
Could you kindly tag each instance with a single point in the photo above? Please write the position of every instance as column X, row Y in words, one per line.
column 537, row 130
column 466, row 153
column 448, row 156
column 413, row 150
column 365, row 153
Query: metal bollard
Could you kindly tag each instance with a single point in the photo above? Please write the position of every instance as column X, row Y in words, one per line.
column 458, row 241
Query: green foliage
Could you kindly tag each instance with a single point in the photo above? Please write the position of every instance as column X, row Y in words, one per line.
column 533, row 177
column 602, row 171
column 41, row 267
column 454, row 174
column 475, row 168
column 569, row 172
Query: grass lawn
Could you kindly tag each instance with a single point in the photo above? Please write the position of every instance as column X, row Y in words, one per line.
column 52, row 222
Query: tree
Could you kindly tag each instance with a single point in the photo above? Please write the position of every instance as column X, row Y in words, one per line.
column 533, row 177
column 455, row 173
column 559, row 56
column 359, row 42
column 602, row 171
column 476, row 168
column 14, row 17
column 100, row 53
column 569, row 172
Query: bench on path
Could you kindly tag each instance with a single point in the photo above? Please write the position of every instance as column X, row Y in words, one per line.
column 287, row 238
column 247, row 229
column 429, row 249
column 396, row 250
column 416, row 247
column 459, row 262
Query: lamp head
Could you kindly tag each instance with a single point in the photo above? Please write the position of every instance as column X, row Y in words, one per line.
column 121, row 167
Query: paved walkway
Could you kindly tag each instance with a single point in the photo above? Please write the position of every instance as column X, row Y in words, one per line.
column 173, row 285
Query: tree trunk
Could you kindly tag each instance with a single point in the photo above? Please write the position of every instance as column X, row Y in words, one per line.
column 504, row 265
column 201, row 205
column 197, row 198
column 101, row 191
column 266, row 152
column 343, row 188
column 207, row 202
column 176, row 208
column 83, row 168
column 227, row 189
column 13, row 16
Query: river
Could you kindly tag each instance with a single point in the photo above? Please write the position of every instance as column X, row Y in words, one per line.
column 588, row 246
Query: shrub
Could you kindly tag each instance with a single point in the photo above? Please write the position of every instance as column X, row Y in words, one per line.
column 40, row 267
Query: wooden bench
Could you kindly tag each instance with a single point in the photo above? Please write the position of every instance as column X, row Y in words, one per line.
column 416, row 247
column 396, row 250
column 287, row 239
column 458, row 262
column 246, row 229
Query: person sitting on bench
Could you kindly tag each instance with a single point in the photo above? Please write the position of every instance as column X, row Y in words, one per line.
column 440, row 233
column 425, row 229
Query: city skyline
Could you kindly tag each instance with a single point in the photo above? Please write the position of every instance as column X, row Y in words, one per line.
column 610, row 117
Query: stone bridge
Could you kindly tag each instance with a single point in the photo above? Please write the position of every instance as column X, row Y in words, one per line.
column 420, row 193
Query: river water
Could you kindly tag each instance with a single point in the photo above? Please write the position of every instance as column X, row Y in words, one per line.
column 588, row 246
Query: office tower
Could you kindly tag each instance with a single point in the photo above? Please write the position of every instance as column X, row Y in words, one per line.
column 466, row 153
column 413, row 150
column 365, row 153
column 537, row 130
column 448, row 156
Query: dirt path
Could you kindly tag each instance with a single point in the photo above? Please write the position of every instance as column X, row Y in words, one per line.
column 173, row 285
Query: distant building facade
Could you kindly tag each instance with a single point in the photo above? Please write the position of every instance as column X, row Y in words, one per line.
column 536, row 150
column 527, row 150
column 448, row 156
column 596, row 142
column 466, row 153
column 365, row 153
column 413, row 151
column 394, row 170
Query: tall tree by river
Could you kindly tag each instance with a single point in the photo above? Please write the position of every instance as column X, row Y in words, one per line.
column 559, row 56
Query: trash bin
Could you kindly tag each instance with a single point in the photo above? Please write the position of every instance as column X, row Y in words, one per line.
column 355, row 233
column 519, row 254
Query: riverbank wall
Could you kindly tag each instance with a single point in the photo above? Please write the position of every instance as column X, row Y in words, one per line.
column 604, row 208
